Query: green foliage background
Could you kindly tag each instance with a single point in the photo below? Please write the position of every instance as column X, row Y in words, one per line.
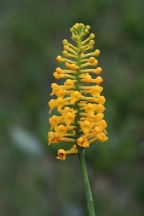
column 32, row 181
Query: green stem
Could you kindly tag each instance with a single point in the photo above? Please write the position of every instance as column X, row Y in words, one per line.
column 90, row 204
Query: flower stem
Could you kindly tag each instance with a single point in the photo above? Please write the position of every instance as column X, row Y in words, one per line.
column 89, row 198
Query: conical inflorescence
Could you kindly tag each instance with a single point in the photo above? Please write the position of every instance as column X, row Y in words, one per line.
column 79, row 100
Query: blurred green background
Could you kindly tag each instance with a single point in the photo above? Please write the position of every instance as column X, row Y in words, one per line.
column 32, row 181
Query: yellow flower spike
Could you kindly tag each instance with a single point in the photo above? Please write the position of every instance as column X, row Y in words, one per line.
column 80, row 105
column 79, row 102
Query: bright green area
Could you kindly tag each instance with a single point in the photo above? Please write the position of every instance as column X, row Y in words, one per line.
column 32, row 181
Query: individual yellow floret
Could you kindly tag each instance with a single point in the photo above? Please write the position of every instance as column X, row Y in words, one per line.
column 83, row 142
column 87, row 78
column 98, row 117
column 52, row 105
column 68, row 117
column 61, row 129
column 99, row 108
column 98, row 80
column 92, row 35
column 98, row 70
column 69, row 83
column 71, row 66
column 58, row 75
column 54, row 121
column 86, row 126
column 65, row 53
column 65, row 42
column 95, row 91
column 75, row 96
column 54, row 137
column 89, row 108
column 60, row 59
column 97, row 52
column 59, row 70
column 101, row 100
column 62, row 153
column 59, row 91
column 102, row 137
column 60, row 102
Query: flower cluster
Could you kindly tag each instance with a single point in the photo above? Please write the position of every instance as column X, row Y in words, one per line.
column 79, row 100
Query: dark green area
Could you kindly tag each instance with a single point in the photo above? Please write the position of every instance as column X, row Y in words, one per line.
column 32, row 181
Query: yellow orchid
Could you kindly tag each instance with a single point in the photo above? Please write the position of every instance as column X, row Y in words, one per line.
column 79, row 100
